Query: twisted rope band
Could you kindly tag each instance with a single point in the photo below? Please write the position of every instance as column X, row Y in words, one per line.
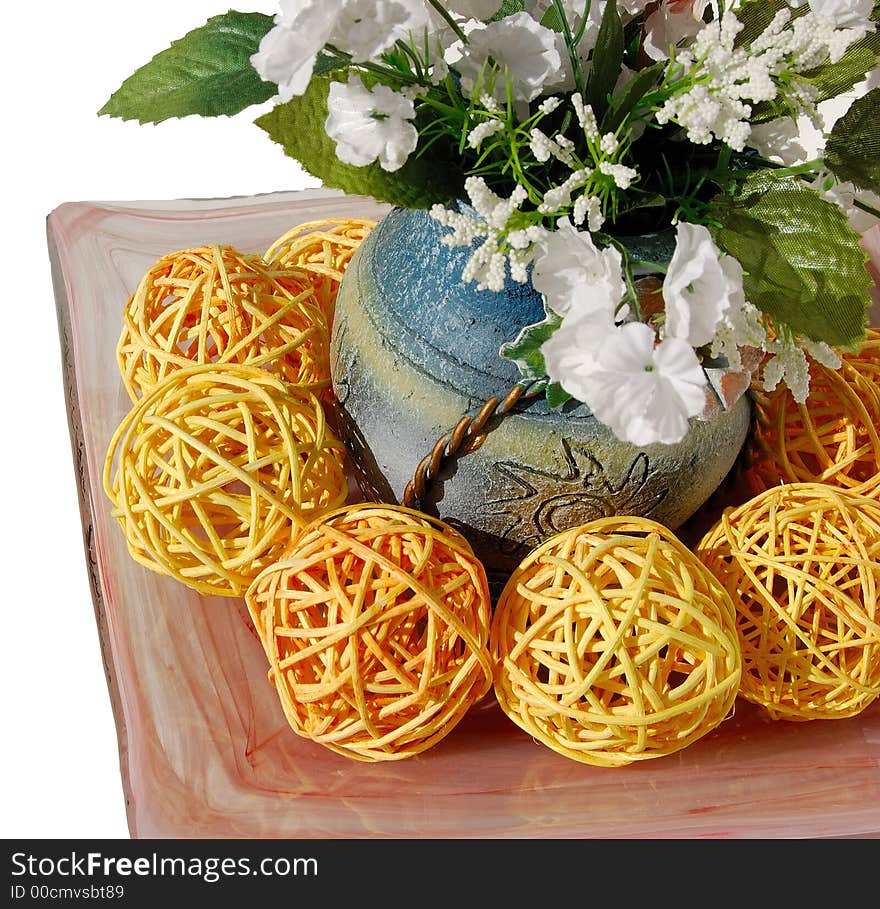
column 467, row 436
column 614, row 644
column 802, row 566
column 376, row 627
column 216, row 468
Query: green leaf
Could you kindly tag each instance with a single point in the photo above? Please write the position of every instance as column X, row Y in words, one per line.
column 852, row 151
column 756, row 15
column 833, row 79
column 556, row 395
column 607, row 59
column 623, row 103
column 508, row 8
column 803, row 263
column 525, row 351
column 206, row 72
column 328, row 63
column 552, row 20
column 298, row 126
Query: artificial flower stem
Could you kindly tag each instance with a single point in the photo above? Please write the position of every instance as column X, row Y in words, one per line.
column 653, row 266
column 796, row 170
column 572, row 48
column 869, row 209
column 631, row 291
column 583, row 26
column 377, row 68
column 449, row 20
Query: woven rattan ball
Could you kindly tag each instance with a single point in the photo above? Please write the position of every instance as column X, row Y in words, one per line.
column 832, row 438
column 802, row 565
column 376, row 627
column 214, row 304
column 613, row 644
column 216, row 469
column 322, row 250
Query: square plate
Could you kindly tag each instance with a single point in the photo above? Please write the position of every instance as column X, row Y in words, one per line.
column 204, row 748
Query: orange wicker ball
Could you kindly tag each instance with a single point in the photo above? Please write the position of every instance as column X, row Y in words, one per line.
column 214, row 304
column 614, row 644
column 801, row 563
column 832, row 438
column 376, row 627
column 320, row 250
column 216, row 469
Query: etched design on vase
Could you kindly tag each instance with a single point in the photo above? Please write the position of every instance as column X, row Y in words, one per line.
column 544, row 503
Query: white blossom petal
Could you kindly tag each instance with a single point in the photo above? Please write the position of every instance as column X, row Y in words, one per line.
column 572, row 272
column 528, row 52
column 700, row 286
column 644, row 392
column 370, row 124
column 287, row 53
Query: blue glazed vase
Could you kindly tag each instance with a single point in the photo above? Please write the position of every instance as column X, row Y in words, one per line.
column 414, row 349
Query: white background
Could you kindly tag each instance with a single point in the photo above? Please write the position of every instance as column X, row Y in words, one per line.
column 60, row 62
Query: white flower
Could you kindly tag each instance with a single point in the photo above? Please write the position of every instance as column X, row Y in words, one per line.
column 844, row 13
column 364, row 28
column 483, row 131
column 644, row 393
column 621, row 174
column 370, row 124
column 779, row 141
column 487, row 263
column 701, row 286
column 674, row 23
column 287, row 52
column 743, row 327
column 789, row 365
column 589, row 209
column 518, row 44
column 478, row 9
column 843, row 195
column 573, row 273
column 570, row 353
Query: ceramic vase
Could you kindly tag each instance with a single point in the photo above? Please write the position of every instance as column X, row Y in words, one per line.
column 414, row 348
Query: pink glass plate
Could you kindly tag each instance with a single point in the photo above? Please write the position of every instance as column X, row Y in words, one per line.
column 204, row 747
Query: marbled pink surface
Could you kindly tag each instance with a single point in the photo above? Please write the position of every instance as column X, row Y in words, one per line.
column 204, row 747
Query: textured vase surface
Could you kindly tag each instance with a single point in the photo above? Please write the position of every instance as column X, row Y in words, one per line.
column 414, row 349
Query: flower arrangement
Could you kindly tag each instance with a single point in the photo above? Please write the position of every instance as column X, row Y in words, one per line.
column 545, row 134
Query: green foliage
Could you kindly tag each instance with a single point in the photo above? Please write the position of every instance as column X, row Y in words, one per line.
column 756, row 15
column 508, row 8
column 852, row 151
column 556, row 395
column 525, row 351
column 803, row 263
column 552, row 19
column 607, row 59
column 206, row 72
column 624, row 102
column 298, row 126
column 833, row 79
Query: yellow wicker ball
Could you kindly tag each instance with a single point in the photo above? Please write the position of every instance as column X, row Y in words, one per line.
column 214, row 304
column 613, row 644
column 321, row 250
column 376, row 627
column 802, row 565
column 833, row 438
column 216, row 468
